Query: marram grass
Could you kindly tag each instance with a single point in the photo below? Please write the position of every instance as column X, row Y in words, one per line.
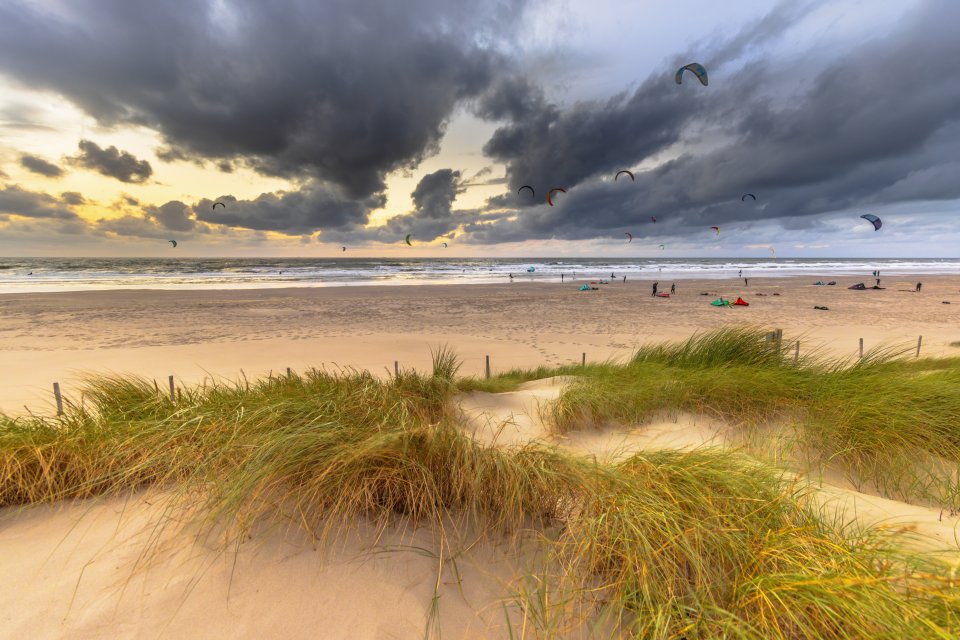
column 663, row 545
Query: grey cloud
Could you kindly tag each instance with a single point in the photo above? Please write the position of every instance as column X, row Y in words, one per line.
column 14, row 200
column 312, row 208
column 112, row 162
column 173, row 215
column 132, row 226
column 342, row 91
column 72, row 198
column 433, row 214
column 38, row 165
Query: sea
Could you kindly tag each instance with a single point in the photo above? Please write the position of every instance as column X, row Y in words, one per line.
column 25, row 275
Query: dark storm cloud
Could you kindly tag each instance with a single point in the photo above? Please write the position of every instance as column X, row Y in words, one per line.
column 312, row 208
column 174, row 215
column 17, row 201
column 343, row 91
column 872, row 128
column 112, row 162
column 38, row 165
column 433, row 214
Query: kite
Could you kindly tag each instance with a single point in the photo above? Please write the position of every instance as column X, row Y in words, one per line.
column 874, row 220
column 550, row 194
column 717, row 229
column 653, row 219
column 744, row 197
column 531, row 269
column 343, row 248
column 696, row 69
column 629, row 173
column 407, row 239
column 218, row 203
column 444, row 244
column 629, row 235
column 773, row 252
column 662, row 247
column 173, row 242
column 526, row 186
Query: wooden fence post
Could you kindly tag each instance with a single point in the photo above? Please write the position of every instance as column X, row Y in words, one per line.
column 488, row 366
column 861, row 348
column 796, row 353
column 583, row 359
column 56, row 394
column 919, row 342
column 173, row 391
column 396, row 368
column 289, row 373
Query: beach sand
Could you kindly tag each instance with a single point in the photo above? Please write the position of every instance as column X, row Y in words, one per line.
column 81, row 570
column 196, row 334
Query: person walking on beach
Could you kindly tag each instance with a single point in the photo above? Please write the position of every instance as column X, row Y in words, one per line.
column 919, row 285
column 511, row 277
column 746, row 282
column 878, row 282
column 673, row 287
column 561, row 277
column 654, row 288
column 624, row 279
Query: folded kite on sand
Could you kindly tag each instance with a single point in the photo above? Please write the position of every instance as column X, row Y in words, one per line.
column 740, row 302
column 822, row 308
column 720, row 302
column 663, row 295
column 858, row 287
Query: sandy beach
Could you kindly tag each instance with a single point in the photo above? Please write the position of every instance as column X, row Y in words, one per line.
column 196, row 334
column 94, row 567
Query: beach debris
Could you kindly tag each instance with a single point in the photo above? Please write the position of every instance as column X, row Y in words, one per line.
column 629, row 235
column 526, row 186
column 748, row 195
column 874, row 220
column 858, row 287
column 407, row 239
column 717, row 229
column 696, row 69
column 550, row 194
column 218, row 203
column 173, row 242
column 629, row 173
column 944, row 302
column 822, row 308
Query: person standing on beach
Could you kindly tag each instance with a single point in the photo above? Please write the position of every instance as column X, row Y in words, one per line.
column 919, row 285
column 624, row 279
column 878, row 282
column 511, row 277
column 654, row 288
column 746, row 282
column 740, row 273
column 673, row 287
column 561, row 277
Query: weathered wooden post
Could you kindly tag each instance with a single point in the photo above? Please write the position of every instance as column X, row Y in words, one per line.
column 173, row 390
column 488, row 366
column 56, row 394
column 861, row 348
column 919, row 342
column 796, row 353
column 583, row 359
column 289, row 373
column 396, row 368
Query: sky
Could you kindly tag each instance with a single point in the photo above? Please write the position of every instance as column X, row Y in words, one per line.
column 352, row 123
